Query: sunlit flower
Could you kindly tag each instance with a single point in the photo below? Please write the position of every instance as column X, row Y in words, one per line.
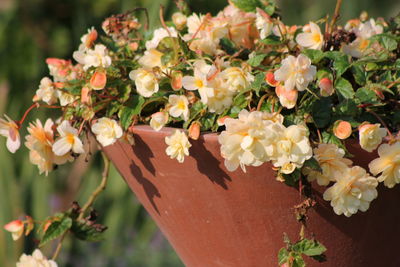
column 151, row 59
column 248, row 140
column 146, row 82
column 221, row 98
column 312, row 39
column 296, row 72
column 39, row 141
column 371, row 136
column 388, row 164
column 68, row 140
column 353, row 191
column 199, row 81
column 107, row 131
column 158, row 120
column 236, row 79
column 97, row 57
column 270, row 79
column 178, row 146
column 16, row 228
column 10, row 130
column 263, row 23
column 179, row 106
column 288, row 99
column 46, row 92
column 36, row 260
column 332, row 162
column 160, row 34
column 179, row 20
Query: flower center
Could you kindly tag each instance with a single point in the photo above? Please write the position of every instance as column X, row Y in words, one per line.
column 70, row 138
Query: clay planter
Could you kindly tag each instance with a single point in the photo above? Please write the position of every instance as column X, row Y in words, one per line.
column 213, row 217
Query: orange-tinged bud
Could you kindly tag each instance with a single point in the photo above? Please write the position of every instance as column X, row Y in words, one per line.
column 379, row 94
column 29, row 225
column 133, row 46
column 221, row 121
column 342, row 129
column 16, row 228
column 194, row 130
column 326, row 87
column 59, row 85
column 176, row 80
column 91, row 38
column 46, row 226
column 270, row 79
column 85, row 97
column 98, row 80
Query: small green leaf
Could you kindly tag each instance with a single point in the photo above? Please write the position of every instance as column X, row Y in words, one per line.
column 309, row 247
column 340, row 61
column 314, row 55
column 56, row 229
column 387, row 40
column 360, row 75
column 133, row 107
column 283, row 256
column 228, row 46
column 256, row 60
column 258, row 82
column 344, row 87
column 292, row 178
column 322, row 111
column 247, row 5
column 272, row 40
column 330, row 138
column 88, row 232
column 312, row 164
column 365, row 95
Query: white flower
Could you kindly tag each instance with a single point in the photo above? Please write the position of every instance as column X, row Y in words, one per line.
column 16, row 228
column 248, row 140
column 199, row 81
column 36, row 260
column 263, row 23
column 65, row 98
column 146, row 82
column 39, row 141
column 353, row 191
column 292, row 146
column 236, row 79
column 357, row 48
column 296, row 72
column 179, row 106
column 368, row 29
column 388, row 164
column 179, row 20
column 107, row 131
column 97, row 57
column 151, row 59
column 68, row 140
column 46, row 91
column 158, row 120
column 178, row 146
column 312, row 39
column 371, row 136
column 332, row 162
column 160, row 34
column 10, row 130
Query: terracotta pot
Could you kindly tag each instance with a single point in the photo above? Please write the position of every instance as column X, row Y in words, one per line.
column 213, row 217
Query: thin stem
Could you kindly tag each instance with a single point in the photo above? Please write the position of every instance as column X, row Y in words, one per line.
column 99, row 189
column 59, row 246
column 163, row 21
column 35, row 105
column 335, row 15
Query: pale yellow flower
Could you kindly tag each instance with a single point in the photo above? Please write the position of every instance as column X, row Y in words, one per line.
column 68, row 140
column 47, row 92
column 35, row 260
column 199, row 81
column 158, row 120
column 179, row 20
column 178, row 146
column 236, row 79
column 312, row 39
column 151, row 59
column 158, row 35
column 16, row 228
column 353, row 191
column 179, row 106
column 146, row 82
column 10, row 130
column 371, row 136
column 388, row 164
column 107, row 131
column 332, row 162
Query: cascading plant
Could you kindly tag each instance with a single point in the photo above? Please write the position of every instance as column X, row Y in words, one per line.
column 286, row 94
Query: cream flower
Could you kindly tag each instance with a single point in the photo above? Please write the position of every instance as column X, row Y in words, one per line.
column 199, row 81
column 296, row 72
column 16, row 228
column 292, row 146
column 331, row 159
column 39, row 141
column 47, row 92
column 264, row 23
column 371, row 136
column 353, row 191
column 146, row 82
column 179, row 106
column 97, row 57
column 158, row 120
column 288, row 99
column 248, row 140
column 312, row 39
column 178, row 146
column 160, row 34
column 10, row 130
column 36, row 260
column 107, row 131
column 388, row 164
column 65, row 98
column 222, row 97
column 151, row 59
column 179, row 20
column 68, row 140
column 236, row 79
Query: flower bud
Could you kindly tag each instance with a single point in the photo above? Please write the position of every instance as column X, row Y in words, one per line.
column 287, row 98
column 133, row 46
column 326, row 87
column 270, row 79
column 194, row 130
column 16, row 228
column 98, row 80
column 85, row 97
column 342, row 129
column 91, row 38
column 176, row 80
column 179, row 20
column 221, row 121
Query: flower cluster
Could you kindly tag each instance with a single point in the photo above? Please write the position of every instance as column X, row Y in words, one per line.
column 287, row 94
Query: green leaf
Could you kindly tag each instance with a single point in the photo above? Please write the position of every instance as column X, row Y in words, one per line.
column 365, row 95
column 309, row 247
column 322, row 112
column 133, row 107
column 360, row 75
column 283, row 256
column 347, row 107
column 387, row 40
column 88, row 232
column 312, row 164
column 247, row 5
column 330, row 138
column 124, row 92
column 292, row 178
column 56, row 229
column 272, row 40
column 258, row 82
column 228, row 46
column 344, row 87
column 314, row 55
column 340, row 61
column 256, row 60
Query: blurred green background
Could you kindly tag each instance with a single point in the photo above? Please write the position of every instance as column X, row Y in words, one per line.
column 31, row 31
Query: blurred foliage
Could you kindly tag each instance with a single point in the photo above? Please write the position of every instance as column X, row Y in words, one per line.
column 31, row 31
